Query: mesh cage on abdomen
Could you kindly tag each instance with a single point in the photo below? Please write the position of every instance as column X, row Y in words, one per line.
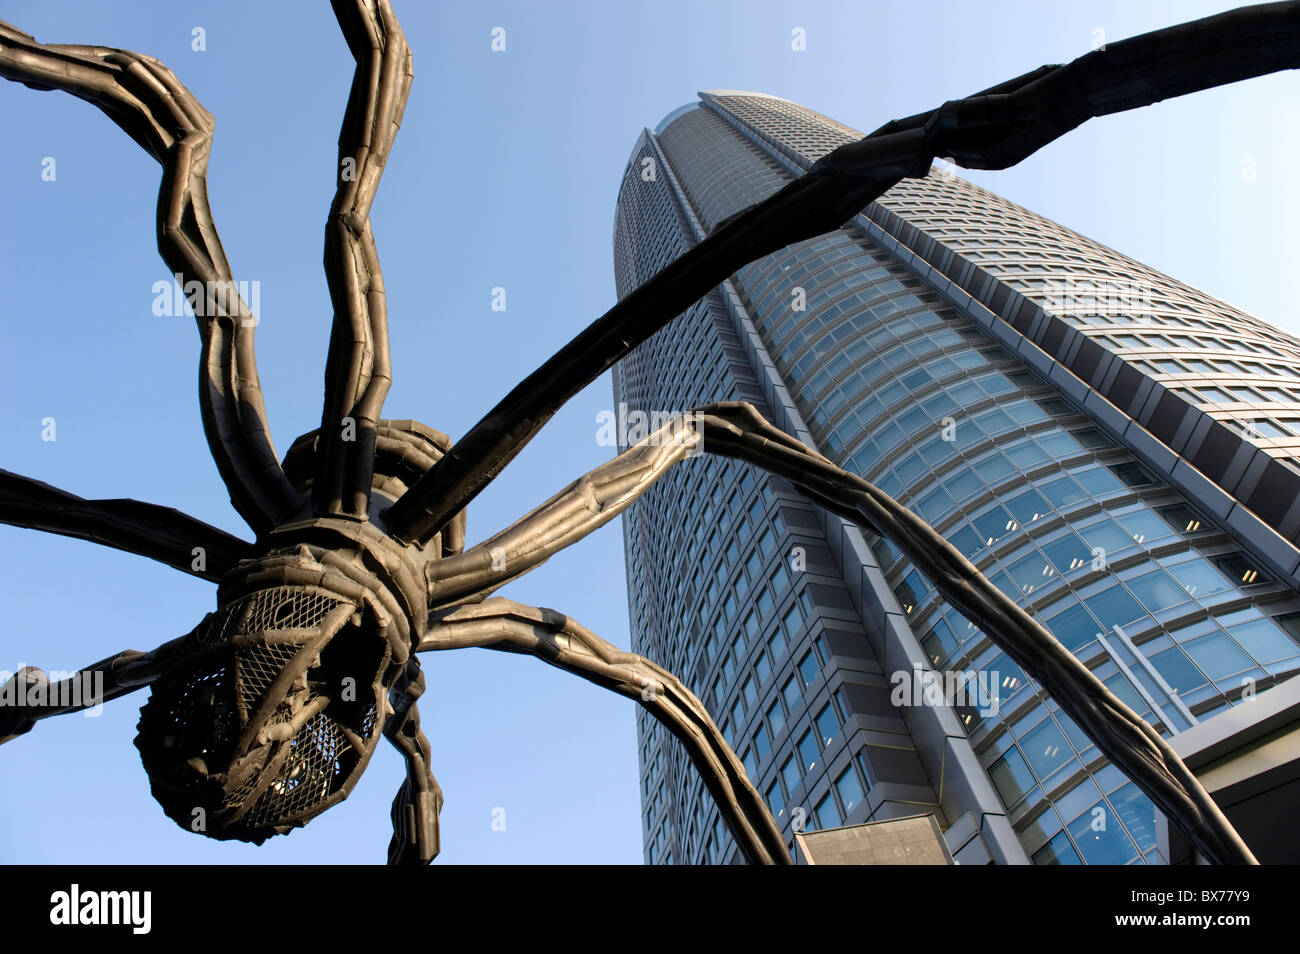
column 195, row 737
column 319, row 759
column 277, row 608
column 283, row 610
column 202, row 709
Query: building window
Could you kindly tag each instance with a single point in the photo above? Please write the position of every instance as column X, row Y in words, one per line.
column 761, row 742
column 1058, row 851
column 793, row 620
column 776, row 716
column 790, row 773
column 1046, row 748
column 827, row 725
column 780, row 579
column 850, row 788
column 1241, row 570
column 808, row 751
column 1133, row 474
column 828, row 813
column 808, row 669
column 1011, row 777
column 1108, row 845
column 791, row 693
column 776, row 799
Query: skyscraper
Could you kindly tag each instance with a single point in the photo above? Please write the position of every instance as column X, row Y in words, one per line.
column 1114, row 449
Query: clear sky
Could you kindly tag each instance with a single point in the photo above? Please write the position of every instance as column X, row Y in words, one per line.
column 505, row 174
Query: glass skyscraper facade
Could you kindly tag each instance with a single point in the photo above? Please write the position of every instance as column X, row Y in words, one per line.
column 1114, row 449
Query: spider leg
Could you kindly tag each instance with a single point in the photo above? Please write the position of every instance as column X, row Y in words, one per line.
column 993, row 129
column 30, row 696
column 148, row 530
column 146, row 100
column 419, row 800
column 358, row 370
column 588, row 503
column 508, row 626
column 738, row 430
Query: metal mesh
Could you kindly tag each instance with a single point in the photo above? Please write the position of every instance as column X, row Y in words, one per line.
column 287, row 608
column 191, row 728
column 257, row 667
column 319, row 760
column 368, row 721
column 201, row 709
column 278, row 608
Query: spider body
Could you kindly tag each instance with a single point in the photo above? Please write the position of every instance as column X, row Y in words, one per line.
column 272, row 714
column 272, row 708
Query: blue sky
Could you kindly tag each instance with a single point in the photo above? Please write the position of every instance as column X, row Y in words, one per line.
column 505, row 174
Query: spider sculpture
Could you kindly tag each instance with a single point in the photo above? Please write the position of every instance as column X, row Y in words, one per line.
column 266, row 714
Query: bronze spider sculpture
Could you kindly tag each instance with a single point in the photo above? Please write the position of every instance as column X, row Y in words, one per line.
column 266, row 714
